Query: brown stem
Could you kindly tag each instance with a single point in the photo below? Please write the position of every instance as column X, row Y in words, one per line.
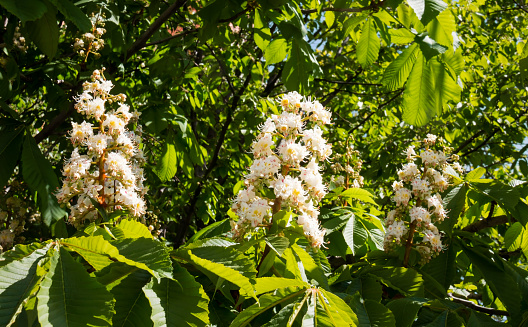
column 477, row 307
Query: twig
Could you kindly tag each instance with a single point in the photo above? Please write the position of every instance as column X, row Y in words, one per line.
column 182, row 232
column 142, row 40
column 487, row 222
column 310, row 11
column 171, row 37
column 477, row 307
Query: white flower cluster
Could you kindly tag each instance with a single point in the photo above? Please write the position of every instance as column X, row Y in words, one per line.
column 418, row 202
column 109, row 172
column 287, row 156
column 19, row 41
column 91, row 42
column 15, row 214
column 347, row 167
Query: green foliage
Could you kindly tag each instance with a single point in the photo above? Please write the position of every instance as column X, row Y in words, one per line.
column 205, row 75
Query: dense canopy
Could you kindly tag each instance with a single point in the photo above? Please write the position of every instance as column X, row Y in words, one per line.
column 263, row 162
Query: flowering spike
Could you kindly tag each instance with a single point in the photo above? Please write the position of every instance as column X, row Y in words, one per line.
column 108, row 170
column 287, row 156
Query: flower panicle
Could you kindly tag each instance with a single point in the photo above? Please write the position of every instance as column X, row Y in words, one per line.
column 105, row 165
column 287, row 152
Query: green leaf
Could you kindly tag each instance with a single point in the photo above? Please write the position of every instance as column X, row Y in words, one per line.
column 177, row 302
column 44, row 32
column 39, row 175
column 355, row 234
column 368, row 45
column 446, row 89
column 130, row 228
column 419, row 96
column 270, row 284
column 405, row 310
column 407, row 281
column 74, row 14
column 11, row 138
column 372, row 313
column 25, row 10
column 167, row 164
column 504, row 286
column 17, row 279
column 442, row 27
column 262, row 34
column 94, row 249
column 358, row 194
column 215, row 229
column 398, row 71
column 442, row 268
column 145, row 253
column 426, row 10
column 338, row 309
column 276, row 51
column 132, row 307
column 300, row 67
column 401, row 36
column 430, row 48
column 278, row 244
column 68, row 296
column 329, row 18
column 503, row 194
column 516, row 237
column 265, row 302
column 221, row 263
column 312, row 270
column 475, row 173
column 350, row 24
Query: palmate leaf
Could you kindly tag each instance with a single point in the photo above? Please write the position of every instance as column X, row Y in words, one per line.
column 39, row 175
column 17, row 279
column 405, row 310
column 130, row 228
column 368, row 45
column 398, row 71
column 145, row 253
column 177, row 302
column 372, row 313
column 354, row 234
column 401, row 36
column 44, row 32
column 499, row 281
column 360, row 194
column 217, row 262
column 441, row 28
column 267, row 301
column 323, row 308
column 74, row 14
column 419, row 96
column 426, row 10
column 25, row 10
column 132, row 307
column 406, row 281
column 313, row 271
column 68, row 296
column 446, row 89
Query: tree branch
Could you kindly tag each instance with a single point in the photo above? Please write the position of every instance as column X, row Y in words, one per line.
column 481, row 144
column 186, row 221
column 310, row 11
column 487, row 222
column 171, row 37
column 477, row 307
column 142, row 40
